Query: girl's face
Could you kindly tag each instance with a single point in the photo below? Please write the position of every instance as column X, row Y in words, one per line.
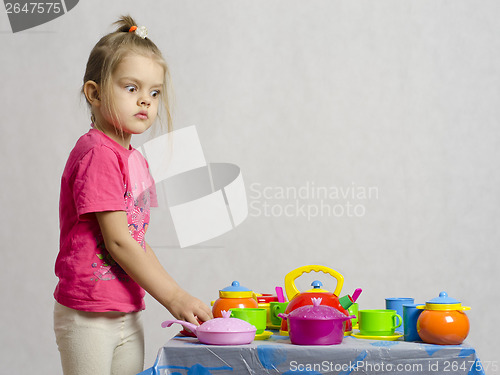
column 135, row 87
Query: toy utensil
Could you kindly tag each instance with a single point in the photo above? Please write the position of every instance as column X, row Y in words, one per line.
column 279, row 294
column 356, row 294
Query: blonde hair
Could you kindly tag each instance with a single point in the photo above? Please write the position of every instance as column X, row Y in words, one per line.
column 110, row 51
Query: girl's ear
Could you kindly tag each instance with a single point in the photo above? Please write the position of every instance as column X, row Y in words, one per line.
column 91, row 91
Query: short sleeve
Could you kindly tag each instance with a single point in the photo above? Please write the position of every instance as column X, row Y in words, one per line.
column 99, row 183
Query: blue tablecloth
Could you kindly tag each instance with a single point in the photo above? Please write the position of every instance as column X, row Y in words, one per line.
column 276, row 355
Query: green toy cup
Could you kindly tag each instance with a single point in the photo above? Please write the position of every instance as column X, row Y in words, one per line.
column 353, row 310
column 378, row 322
column 277, row 308
column 255, row 316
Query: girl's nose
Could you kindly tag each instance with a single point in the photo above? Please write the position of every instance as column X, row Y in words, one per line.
column 145, row 101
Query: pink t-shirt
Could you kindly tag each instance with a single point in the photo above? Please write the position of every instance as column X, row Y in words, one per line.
column 100, row 175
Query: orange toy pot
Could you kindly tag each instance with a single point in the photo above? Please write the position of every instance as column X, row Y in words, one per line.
column 234, row 296
column 443, row 321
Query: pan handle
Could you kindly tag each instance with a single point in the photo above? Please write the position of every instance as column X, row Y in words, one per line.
column 190, row 326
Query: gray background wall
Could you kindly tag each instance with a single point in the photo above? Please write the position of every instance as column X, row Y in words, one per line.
column 399, row 96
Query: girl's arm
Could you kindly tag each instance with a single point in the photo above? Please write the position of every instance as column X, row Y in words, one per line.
column 144, row 267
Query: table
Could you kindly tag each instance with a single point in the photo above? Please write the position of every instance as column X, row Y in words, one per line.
column 276, row 355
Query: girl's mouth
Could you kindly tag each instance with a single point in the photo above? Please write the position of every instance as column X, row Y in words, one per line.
column 142, row 115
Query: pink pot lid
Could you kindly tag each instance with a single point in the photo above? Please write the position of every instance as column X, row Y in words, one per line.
column 316, row 311
column 226, row 324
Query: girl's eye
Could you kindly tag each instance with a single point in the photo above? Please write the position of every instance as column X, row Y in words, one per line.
column 130, row 88
column 155, row 93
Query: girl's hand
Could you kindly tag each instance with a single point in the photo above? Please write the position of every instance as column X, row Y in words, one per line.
column 184, row 306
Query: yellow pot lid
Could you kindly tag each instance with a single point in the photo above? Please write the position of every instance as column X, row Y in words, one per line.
column 235, row 294
column 235, row 290
column 443, row 303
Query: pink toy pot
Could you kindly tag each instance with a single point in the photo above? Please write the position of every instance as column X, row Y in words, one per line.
column 220, row 331
column 316, row 325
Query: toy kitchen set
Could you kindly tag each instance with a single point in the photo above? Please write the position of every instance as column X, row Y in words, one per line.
column 317, row 331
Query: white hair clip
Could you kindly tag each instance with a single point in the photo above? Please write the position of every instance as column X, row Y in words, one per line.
column 141, row 31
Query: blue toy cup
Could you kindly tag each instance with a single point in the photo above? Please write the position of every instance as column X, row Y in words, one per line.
column 397, row 304
column 410, row 318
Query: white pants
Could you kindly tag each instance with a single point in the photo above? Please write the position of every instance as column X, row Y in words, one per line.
column 96, row 343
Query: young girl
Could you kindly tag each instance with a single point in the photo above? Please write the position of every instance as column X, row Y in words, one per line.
column 104, row 264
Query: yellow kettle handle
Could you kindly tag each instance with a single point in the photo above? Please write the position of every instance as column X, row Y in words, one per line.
column 291, row 289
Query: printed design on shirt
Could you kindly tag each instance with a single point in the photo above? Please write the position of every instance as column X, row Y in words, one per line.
column 137, row 202
column 138, row 226
column 105, row 267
